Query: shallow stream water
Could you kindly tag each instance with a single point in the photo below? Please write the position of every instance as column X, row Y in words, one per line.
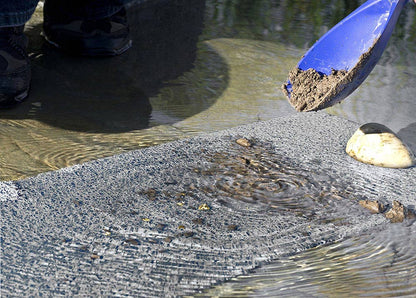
column 379, row 265
column 207, row 66
column 203, row 67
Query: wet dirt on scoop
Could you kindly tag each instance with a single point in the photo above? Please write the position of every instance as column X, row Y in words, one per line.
column 312, row 90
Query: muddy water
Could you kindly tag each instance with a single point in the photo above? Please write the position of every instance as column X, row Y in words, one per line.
column 212, row 66
column 271, row 183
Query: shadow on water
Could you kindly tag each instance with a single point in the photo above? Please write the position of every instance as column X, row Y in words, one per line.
column 180, row 80
column 111, row 95
column 408, row 135
column 80, row 109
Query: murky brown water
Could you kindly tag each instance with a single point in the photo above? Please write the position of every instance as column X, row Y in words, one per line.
column 271, row 183
column 170, row 86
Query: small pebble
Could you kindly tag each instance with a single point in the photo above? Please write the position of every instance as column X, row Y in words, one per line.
column 198, row 221
column 398, row 213
column 133, row 241
column 243, row 142
column 373, row 206
column 204, row 207
column 376, row 144
column 151, row 194
column 187, row 234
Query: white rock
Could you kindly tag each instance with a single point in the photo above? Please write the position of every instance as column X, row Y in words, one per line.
column 375, row 144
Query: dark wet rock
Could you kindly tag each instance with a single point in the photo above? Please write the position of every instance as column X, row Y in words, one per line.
column 397, row 213
column 132, row 241
column 232, row 227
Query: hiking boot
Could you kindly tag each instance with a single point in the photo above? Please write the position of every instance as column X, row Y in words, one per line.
column 104, row 37
column 15, row 71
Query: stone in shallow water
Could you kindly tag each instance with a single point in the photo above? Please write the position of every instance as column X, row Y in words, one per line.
column 373, row 206
column 376, row 144
column 398, row 212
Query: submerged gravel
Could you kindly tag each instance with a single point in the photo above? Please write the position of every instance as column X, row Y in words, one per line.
column 169, row 220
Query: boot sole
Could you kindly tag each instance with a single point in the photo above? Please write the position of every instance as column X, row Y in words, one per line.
column 11, row 102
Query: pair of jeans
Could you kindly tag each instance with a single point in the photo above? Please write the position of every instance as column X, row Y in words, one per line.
column 18, row 12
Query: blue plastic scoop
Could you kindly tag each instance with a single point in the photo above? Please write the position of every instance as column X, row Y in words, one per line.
column 365, row 32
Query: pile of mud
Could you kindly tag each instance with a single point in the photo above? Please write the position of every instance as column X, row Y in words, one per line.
column 312, row 90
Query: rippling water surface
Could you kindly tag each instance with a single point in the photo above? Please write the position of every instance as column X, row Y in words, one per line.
column 207, row 66
column 379, row 265
column 204, row 67
column 272, row 183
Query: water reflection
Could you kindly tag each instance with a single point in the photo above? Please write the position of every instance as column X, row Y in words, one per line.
column 179, row 80
column 298, row 23
column 112, row 94
column 81, row 108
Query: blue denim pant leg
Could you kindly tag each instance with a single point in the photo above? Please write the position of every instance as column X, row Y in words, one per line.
column 16, row 12
column 83, row 9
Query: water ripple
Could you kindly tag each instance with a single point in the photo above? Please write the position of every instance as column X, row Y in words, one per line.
column 266, row 182
column 379, row 265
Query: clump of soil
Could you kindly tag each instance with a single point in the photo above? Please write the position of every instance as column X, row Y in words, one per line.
column 312, row 90
column 373, row 206
column 310, row 87
column 397, row 212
